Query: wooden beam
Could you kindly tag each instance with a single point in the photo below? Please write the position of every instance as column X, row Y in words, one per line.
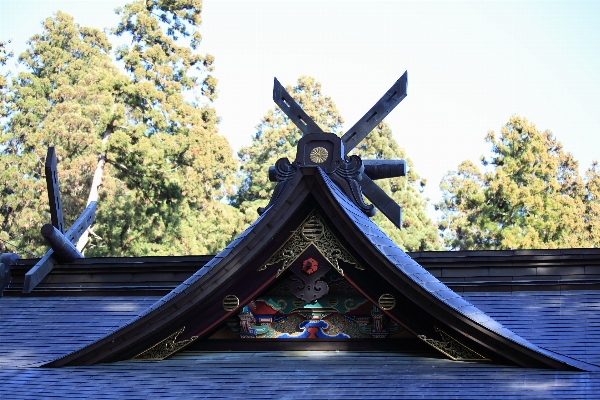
column 43, row 267
column 84, row 221
column 383, row 169
column 39, row 271
column 64, row 250
column 6, row 260
column 56, row 214
column 376, row 114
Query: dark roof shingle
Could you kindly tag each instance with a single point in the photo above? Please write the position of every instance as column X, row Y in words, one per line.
column 34, row 330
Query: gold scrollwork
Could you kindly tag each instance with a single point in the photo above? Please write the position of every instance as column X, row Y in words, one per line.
column 282, row 304
column 349, row 304
column 313, row 231
column 452, row 348
column 165, row 347
column 298, row 303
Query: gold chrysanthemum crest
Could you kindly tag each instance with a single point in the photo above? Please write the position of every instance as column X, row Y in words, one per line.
column 318, row 155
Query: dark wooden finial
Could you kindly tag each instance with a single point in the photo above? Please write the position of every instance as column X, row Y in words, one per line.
column 64, row 250
column 56, row 213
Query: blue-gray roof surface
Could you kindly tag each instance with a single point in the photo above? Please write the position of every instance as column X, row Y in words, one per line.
column 566, row 322
column 34, row 330
column 296, row 375
column 37, row 329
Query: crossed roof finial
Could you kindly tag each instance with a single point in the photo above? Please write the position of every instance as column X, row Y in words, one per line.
column 330, row 152
column 62, row 247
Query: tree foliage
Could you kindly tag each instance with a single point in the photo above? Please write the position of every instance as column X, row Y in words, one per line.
column 531, row 195
column 277, row 136
column 63, row 98
column 170, row 165
column 591, row 235
column 167, row 168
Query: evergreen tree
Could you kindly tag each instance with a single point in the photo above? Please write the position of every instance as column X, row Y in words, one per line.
column 144, row 140
column 591, row 236
column 64, row 98
column 171, row 167
column 531, row 196
column 277, row 136
column 5, row 188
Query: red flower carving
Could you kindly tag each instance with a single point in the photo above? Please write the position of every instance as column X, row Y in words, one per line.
column 309, row 266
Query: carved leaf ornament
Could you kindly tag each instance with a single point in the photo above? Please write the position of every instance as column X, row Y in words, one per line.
column 452, row 347
column 312, row 231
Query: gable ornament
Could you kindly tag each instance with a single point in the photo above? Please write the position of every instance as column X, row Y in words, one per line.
column 313, row 231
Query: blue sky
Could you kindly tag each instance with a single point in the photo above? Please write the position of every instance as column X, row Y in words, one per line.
column 471, row 65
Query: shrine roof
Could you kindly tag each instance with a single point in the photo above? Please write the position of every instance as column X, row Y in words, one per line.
column 426, row 291
column 567, row 322
column 425, row 279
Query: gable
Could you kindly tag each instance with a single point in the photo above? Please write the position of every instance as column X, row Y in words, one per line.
column 423, row 306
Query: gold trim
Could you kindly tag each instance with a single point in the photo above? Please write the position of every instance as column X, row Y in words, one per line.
column 452, row 348
column 320, row 236
column 165, row 347
column 318, row 155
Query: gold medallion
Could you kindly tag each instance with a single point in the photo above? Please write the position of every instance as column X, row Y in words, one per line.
column 318, row 155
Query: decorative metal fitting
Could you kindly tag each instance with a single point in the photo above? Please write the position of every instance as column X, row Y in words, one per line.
column 386, row 302
column 230, row 303
column 318, row 155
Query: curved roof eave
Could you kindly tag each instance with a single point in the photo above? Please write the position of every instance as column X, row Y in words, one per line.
column 150, row 326
column 446, row 305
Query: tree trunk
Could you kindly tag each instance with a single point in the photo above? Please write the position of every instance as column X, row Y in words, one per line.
column 96, row 182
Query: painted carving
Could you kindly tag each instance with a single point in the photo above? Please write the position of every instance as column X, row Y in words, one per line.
column 378, row 331
column 311, row 299
column 309, row 266
column 248, row 329
column 342, row 313
column 307, row 275
column 314, row 330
